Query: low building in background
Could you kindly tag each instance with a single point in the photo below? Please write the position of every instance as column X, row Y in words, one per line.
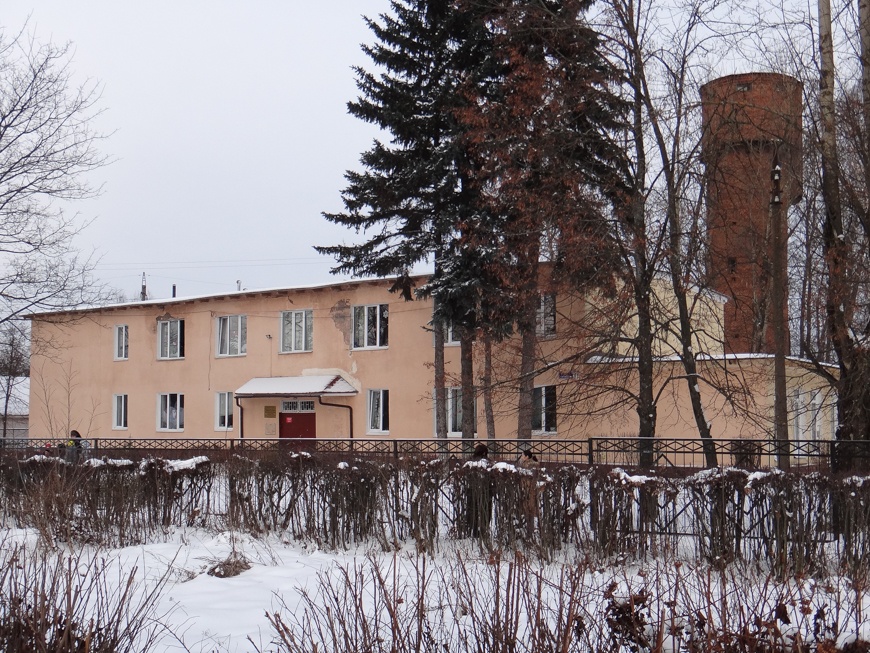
column 14, row 406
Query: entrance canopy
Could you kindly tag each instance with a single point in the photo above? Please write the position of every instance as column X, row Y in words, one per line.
column 330, row 385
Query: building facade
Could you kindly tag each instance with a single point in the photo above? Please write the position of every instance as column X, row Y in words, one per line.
column 347, row 360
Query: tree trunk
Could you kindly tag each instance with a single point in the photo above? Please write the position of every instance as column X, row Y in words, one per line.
column 779, row 304
column 440, row 394
column 466, row 349
column 487, row 388
column 527, row 378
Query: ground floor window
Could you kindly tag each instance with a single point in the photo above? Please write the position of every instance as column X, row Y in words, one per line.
column 806, row 415
column 119, row 412
column 544, row 409
column 378, row 411
column 223, row 411
column 454, row 411
column 170, row 412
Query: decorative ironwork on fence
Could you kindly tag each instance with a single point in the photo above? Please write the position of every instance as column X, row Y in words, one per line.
column 822, row 455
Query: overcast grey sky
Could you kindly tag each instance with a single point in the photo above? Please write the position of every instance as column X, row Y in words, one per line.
column 230, row 134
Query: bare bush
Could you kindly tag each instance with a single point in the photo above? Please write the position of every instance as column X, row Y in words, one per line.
column 509, row 604
column 66, row 604
column 785, row 523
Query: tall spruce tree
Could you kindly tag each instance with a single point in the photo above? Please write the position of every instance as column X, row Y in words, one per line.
column 411, row 196
column 541, row 139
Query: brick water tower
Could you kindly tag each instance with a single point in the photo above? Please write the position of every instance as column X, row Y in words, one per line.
column 752, row 126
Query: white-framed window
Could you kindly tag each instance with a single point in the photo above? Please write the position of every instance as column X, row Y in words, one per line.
column 170, row 339
column 122, row 342
column 297, row 406
column 378, row 411
column 170, row 411
column 799, row 415
column 223, row 411
column 370, row 326
column 544, row 409
column 815, row 415
column 454, row 411
column 545, row 316
column 297, row 331
column 119, row 412
column 231, row 335
column 451, row 336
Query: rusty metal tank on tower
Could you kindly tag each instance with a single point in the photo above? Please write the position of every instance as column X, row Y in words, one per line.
column 751, row 123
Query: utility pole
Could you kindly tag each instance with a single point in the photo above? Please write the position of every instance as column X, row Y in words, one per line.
column 778, row 285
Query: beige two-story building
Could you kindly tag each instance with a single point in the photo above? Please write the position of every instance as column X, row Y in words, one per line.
column 351, row 359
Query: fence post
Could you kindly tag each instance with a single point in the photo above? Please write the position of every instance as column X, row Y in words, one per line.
column 396, row 449
column 590, row 453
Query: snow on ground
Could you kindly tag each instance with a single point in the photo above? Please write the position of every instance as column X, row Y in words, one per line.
column 210, row 614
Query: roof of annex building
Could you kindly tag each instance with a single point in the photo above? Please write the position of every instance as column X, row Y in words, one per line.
column 234, row 294
column 707, row 357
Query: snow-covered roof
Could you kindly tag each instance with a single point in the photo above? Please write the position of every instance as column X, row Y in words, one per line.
column 234, row 294
column 19, row 395
column 297, row 386
column 704, row 357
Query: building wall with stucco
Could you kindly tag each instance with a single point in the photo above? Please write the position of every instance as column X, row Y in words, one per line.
column 76, row 376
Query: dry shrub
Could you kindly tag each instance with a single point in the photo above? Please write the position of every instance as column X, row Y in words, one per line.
column 64, row 604
column 507, row 604
column 788, row 523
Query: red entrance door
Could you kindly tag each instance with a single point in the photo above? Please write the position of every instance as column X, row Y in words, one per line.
column 297, row 425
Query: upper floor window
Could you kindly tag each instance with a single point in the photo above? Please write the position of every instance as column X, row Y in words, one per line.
column 223, row 412
column 545, row 318
column 544, row 409
column 122, row 342
column 378, row 411
column 170, row 412
column 170, row 339
column 119, row 412
column 370, row 326
column 232, row 335
column 297, row 331
column 451, row 335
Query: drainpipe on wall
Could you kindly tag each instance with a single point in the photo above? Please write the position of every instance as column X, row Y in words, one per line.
column 241, row 419
column 350, row 408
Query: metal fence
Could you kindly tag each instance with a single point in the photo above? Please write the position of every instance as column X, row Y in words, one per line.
column 822, row 455
column 807, row 455
column 565, row 451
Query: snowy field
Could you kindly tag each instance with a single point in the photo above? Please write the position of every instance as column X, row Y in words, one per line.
column 663, row 607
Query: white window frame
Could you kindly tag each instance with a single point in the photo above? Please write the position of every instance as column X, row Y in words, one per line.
column 545, row 315
column 375, row 414
column 307, row 324
column 179, row 415
column 122, row 335
column 220, row 330
column 799, row 415
column 545, row 430
column 382, row 335
column 223, row 400
column 168, row 329
column 119, row 412
column 451, row 338
column 454, row 411
column 815, row 421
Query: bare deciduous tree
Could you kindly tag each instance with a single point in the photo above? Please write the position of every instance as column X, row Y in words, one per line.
column 47, row 146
